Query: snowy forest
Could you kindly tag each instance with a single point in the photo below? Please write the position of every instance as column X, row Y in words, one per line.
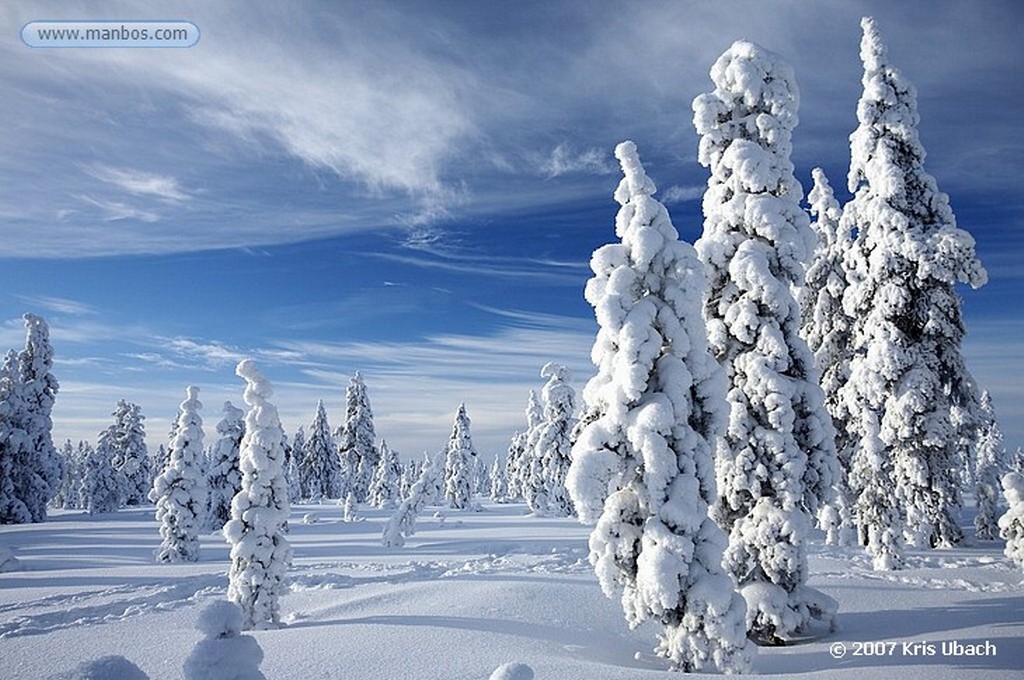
column 779, row 419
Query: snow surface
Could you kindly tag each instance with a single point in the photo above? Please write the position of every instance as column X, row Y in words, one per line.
column 469, row 592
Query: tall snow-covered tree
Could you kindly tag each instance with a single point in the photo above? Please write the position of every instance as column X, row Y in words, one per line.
column 460, row 463
column 67, row 492
column 180, row 492
column 991, row 467
column 827, row 330
column 224, row 477
column 513, row 460
column 643, row 469
column 357, row 439
column 320, row 471
column 260, row 552
column 551, row 455
column 778, row 466
column 907, row 371
column 12, row 439
column 126, row 441
column 384, row 487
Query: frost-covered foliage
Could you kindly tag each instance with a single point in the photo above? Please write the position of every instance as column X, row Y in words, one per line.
column 460, row 463
column 357, row 440
column 125, row 439
column 260, row 553
column 180, row 492
column 644, row 469
column 907, row 370
column 496, row 481
column 546, row 493
column 223, row 653
column 1011, row 524
column 827, row 330
column 100, row 490
column 320, row 471
column 991, row 466
column 30, row 467
column 778, row 466
column 225, row 479
column 384, row 487
column 402, row 523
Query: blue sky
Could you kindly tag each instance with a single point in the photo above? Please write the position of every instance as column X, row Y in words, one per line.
column 413, row 190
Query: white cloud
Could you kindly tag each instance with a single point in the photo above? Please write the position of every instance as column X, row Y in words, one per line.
column 680, row 194
column 58, row 305
column 563, row 160
column 115, row 211
column 139, row 183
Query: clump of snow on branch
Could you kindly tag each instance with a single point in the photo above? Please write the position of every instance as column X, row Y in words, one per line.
column 260, row 553
column 642, row 467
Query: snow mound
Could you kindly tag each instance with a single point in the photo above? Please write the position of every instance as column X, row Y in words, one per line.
column 512, row 671
column 105, row 668
column 8, row 562
column 224, row 654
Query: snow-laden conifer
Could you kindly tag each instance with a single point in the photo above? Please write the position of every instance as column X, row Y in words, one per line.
column 357, row 439
column 402, row 523
column 644, row 469
column 100, row 490
column 513, row 460
column 551, row 454
column 991, row 466
column 1011, row 524
column 67, row 492
column 778, row 466
column 907, row 370
column 498, row 488
column 225, row 479
column 384, row 487
column 12, row 439
column 293, row 471
column 180, row 492
column 260, row 553
column 126, row 441
column 460, row 463
column 320, row 471
column 827, row 330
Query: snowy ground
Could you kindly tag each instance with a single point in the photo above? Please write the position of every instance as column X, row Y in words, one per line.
column 469, row 592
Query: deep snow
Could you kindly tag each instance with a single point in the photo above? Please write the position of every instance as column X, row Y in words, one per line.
column 468, row 593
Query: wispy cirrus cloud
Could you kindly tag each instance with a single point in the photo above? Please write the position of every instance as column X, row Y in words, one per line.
column 139, row 183
column 57, row 305
column 563, row 160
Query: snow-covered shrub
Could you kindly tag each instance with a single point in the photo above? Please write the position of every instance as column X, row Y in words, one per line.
column 223, row 475
column 460, row 463
column 907, row 370
column 778, row 464
column 223, row 653
column 1011, row 524
column 260, row 553
column 643, row 468
column 180, row 491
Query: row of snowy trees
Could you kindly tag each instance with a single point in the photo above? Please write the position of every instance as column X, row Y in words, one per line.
column 708, row 447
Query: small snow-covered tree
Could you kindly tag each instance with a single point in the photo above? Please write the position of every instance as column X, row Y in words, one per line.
column 67, row 496
column 990, row 468
column 225, row 479
column 643, row 468
column 513, row 460
column 357, row 439
column 551, row 456
column 460, row 463
column 180, row 492
column 827, row 330
column 126, row 441
column 260, row 553
column 402, row 523
column 907, row 370
column 778, row 466
column 384, row 487
column 320, row 471
column 497, row 484
column 1011, row 524
column 293, row 472
column 410, row 473
column 100, row 490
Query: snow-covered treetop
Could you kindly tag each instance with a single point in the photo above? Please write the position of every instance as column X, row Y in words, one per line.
column 257, row 388
column 232, row 421
column 825, row 209
column 555, row 371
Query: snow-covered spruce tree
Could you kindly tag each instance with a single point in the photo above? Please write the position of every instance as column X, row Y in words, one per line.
column 12, row 509
column 320, row 471
column 384, row 487
column 907, row 370
column 410, row 473
column 778, row 465
column 460, row 463
column 357, row 439
column 513, row 459
column 180, row 492
column 126, row 441
column 100, row 490
column 644, row 469
column 1011, row 524
column 67, row 493
column 990, row 468
column 496, row 481
column 293, row 471
column 224, row 477
column 260, row 553
column 827, row 330
column 551, row 455
column 402, row 523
